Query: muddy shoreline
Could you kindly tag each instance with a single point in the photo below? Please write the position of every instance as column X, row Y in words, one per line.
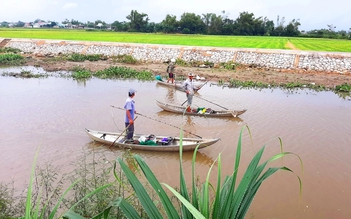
column 242, row 73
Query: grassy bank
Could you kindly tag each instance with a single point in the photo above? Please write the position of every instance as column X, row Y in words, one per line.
column 261, row 42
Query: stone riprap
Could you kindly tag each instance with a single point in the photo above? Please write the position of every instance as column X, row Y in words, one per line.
column 273, row 59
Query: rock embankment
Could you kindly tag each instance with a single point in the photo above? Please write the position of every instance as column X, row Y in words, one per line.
column 273, row 59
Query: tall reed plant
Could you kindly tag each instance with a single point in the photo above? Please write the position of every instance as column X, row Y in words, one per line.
column 43, row 208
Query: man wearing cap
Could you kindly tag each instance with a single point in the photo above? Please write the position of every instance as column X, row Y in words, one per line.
column 130, row 112
column 189, row 90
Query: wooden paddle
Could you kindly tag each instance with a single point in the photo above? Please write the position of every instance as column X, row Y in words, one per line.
column 122, row 133
column 213, row 103
column 231, row 111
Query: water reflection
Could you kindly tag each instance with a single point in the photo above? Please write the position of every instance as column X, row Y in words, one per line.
column 189, row 127
column 167, row 114
column 170, row 94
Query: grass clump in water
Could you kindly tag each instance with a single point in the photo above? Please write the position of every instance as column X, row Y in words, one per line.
column 81, row 73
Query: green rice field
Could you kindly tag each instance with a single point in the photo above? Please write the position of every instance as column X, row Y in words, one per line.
column 261, row 42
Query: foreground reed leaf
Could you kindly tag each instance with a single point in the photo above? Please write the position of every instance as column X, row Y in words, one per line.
column 139, row 189
column 166, row 202
column 194, row 189
column 183, row 188
column 127, row 209
column 231, row 199
column 30, row 185
column 186, row 203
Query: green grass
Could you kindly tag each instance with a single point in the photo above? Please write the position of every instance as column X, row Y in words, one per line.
column 330, row 45
column 261, row 42
column 11, row 59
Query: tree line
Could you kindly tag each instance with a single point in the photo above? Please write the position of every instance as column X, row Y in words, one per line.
column 246, row 24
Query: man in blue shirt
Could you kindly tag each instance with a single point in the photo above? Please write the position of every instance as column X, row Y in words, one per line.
column 129, row 106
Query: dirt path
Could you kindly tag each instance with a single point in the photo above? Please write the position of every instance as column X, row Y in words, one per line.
column 291, row 46
column 329, row 80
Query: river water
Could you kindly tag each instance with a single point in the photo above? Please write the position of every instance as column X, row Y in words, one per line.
column 52, row 113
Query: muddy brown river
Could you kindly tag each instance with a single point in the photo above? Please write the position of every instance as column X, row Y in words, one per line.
column 52, row 113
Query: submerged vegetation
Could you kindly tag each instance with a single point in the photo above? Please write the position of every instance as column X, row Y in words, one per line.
column 24, row 74
column 128, row 188
column 342, row 91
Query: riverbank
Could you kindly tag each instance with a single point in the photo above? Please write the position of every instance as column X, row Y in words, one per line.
column 256, row 65
column 241, row 73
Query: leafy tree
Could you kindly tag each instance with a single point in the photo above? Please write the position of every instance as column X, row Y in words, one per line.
column 137, row 21
column 100, row 24
column 279, row 29
column 75, row 22
column 247, row 24
column 292, row 29
column 206, row 18
column 20, row 24
column 120, row 26
column 192, row 23
column 66, row 21
column 170, row 24
column 4, row 24
column 228, row 27
column 90, row 24
column 331, row 27
column 38, row 21
column 268, row 26
column 158, row 27
column 149, row 28
column 342, row 34
column 216, row 24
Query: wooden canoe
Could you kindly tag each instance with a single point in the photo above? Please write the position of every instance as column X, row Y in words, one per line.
column 176, row 85
column 182, row 110
column 189, row 144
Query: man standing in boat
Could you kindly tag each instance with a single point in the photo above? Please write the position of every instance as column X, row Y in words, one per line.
column 129, row 106
column 170, row 71
column 189, row 90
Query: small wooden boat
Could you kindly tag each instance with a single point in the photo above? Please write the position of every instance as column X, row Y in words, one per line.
column 209, row 113
column 176, row 85
column 172, row 144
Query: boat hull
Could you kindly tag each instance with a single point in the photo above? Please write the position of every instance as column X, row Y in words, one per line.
column 182, row 110
column 177, row 86
column 110, row 138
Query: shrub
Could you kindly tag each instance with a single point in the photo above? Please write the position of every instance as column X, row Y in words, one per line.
column 9, row 50
column 125, row 59
column 81, row 73
column 11, row 59
column 343, row 88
